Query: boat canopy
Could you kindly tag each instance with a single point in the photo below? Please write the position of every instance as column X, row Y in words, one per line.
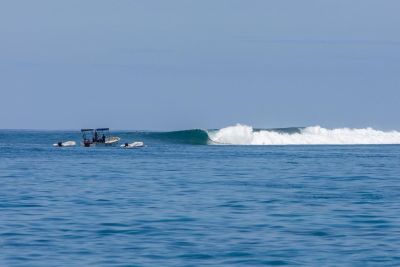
column 102, row 129
column 87, row 130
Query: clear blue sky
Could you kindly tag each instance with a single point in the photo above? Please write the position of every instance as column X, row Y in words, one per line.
column 199, row 64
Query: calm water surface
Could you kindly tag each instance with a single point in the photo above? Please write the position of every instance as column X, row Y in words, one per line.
column 172, row 204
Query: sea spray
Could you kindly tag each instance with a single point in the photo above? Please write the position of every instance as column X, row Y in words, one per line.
column 315, row 135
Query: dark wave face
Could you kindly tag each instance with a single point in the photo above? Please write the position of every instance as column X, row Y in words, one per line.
column 193, row 137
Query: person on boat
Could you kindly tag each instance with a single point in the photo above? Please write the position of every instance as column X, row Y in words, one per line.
column 86, row 142
column 96, row 137
column 103, row 138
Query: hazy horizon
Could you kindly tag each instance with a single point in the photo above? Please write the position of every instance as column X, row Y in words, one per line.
column 172, row 65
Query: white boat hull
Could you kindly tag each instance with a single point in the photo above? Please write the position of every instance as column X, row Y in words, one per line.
column 133, row 145
column 110, row 141
column 65, row 144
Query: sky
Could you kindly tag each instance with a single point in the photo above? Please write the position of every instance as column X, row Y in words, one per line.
column 166, row 65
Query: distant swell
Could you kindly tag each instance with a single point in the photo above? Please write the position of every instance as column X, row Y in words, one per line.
column 194, row 137
column 246, row 135
column 316, row 135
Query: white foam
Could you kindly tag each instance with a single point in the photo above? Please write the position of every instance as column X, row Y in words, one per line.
column 316, row 135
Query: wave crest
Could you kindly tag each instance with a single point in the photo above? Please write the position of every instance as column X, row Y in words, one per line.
column 315, row 135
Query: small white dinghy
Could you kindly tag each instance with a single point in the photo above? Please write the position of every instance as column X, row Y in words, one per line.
column 133, row 145
column 65, row 144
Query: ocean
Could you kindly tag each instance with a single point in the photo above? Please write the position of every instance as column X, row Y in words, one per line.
column 237, row 196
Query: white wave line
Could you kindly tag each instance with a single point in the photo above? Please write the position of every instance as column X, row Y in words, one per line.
column 315, row 135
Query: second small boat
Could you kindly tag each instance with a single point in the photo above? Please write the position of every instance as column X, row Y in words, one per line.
column 65, row 144
column 133, row 145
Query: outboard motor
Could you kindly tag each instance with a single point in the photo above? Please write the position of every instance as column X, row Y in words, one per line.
column 126, row 144
column 59, row 144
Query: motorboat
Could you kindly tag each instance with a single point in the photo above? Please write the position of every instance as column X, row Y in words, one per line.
column 65, row 144
column 99, row 136
column 133, row 145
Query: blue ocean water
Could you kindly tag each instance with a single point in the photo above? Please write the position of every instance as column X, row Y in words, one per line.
column 176, row 203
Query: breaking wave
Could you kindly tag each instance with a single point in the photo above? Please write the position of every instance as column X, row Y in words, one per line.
column 246, row 135
column 316, row 135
